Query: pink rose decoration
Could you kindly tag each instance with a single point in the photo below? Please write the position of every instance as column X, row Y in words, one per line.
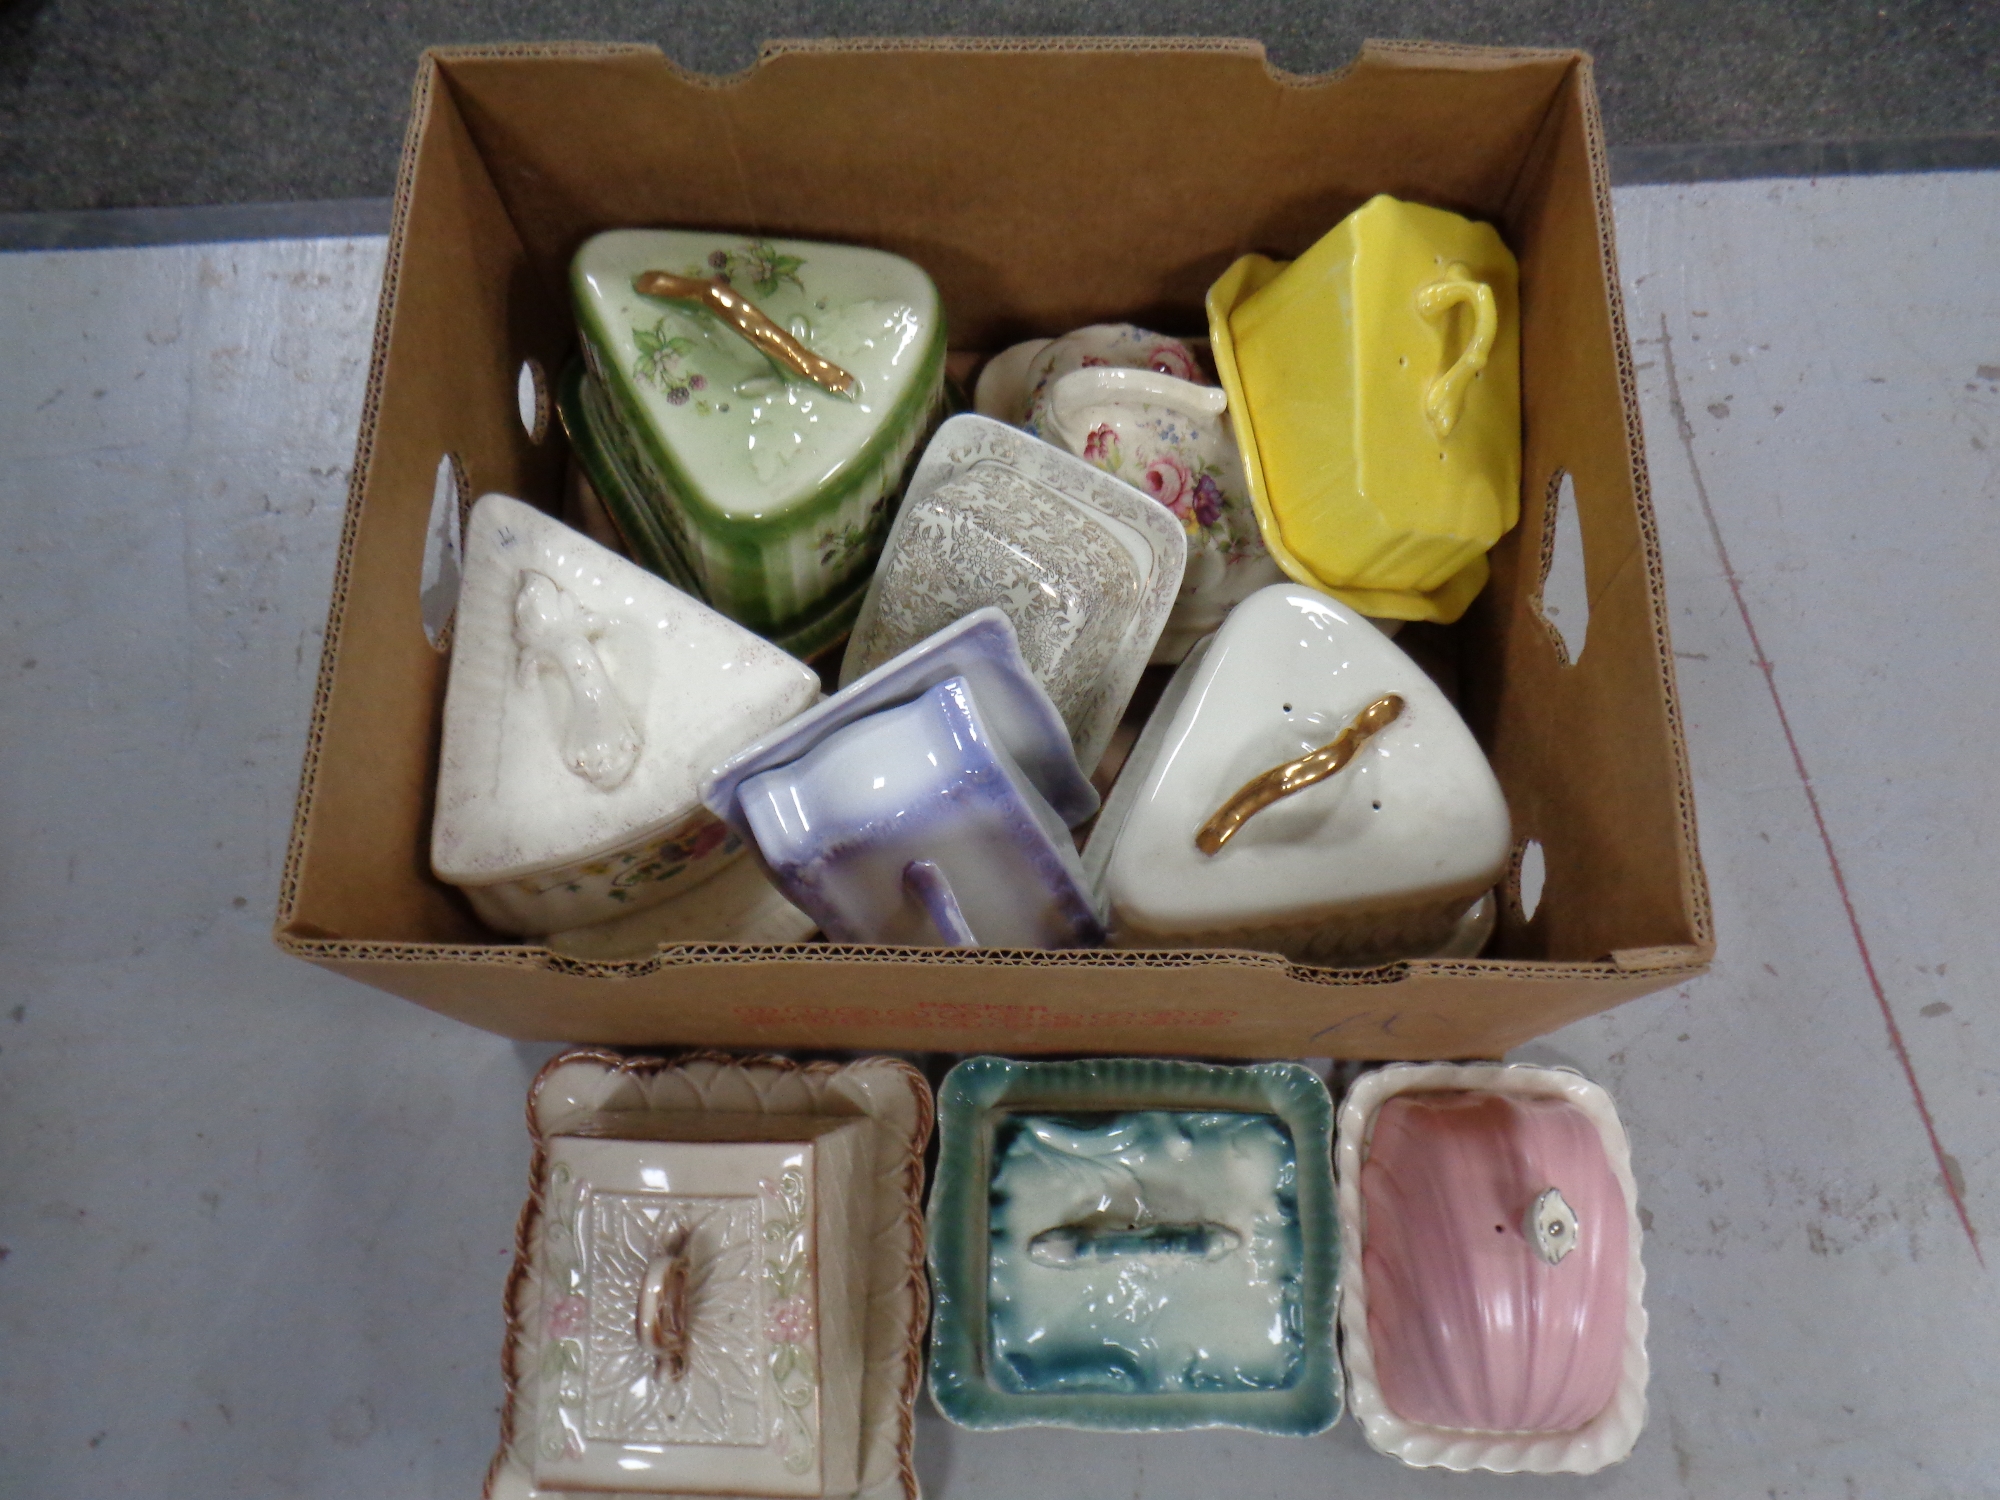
column 1167, row 480
column 568, row 1317
column 1173, row 359
column 789, row 1322
column 1101, row 447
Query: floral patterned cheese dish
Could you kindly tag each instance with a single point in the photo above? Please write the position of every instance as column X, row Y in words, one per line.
column 1375, row 385
column 1304, row 788
column 1012, row 384
column 1134, row 1246
column 1171, row 439
column 774, row 488
column 737, row 905
column 1085, row 569
column 716, row 1287
column 1492, row 1287
column 716, row 1298
column 914, row 825
column 586, row 699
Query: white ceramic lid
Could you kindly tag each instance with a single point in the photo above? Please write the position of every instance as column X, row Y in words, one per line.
column 676, row 688
column 1418, row 814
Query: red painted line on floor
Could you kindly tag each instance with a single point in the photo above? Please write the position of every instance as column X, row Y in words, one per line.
column 1765, row 665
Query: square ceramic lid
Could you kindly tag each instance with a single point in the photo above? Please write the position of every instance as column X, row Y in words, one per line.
column 738, row 437
column 742, row 1409
column 1086, row 567
column 599, row 728
column 1417, row 816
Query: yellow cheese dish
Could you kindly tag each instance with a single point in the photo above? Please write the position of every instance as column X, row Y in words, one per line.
column 1375, row 387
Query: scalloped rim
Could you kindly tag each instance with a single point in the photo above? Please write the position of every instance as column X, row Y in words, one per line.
column 598, row 1085
column 980, row 1086
column 1608, row 1437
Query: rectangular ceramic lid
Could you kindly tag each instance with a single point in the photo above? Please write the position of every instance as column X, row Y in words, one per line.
column 747, row 440
column 689, row 686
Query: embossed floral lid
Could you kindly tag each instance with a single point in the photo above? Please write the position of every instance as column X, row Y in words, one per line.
column 587, row 698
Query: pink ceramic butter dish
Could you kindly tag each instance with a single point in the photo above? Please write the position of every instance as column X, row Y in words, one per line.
column 1491, row 1281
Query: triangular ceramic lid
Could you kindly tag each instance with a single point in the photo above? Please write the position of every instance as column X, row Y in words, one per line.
column 1417, row 814
column 738, row 437
column 587, row 699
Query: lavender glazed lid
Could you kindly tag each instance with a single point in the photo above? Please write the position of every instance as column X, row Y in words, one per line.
column 983, row 650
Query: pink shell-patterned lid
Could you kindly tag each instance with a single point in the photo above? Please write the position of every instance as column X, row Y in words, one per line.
column 1491, row 1282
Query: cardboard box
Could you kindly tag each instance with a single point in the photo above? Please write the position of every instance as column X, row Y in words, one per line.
column 1044, row 185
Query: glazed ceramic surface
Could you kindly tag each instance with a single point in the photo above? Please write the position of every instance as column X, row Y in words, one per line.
column 776, row 492
column 1478, row 1322
column 1171, row 439
column 982, row 649
column 914, row 825
column 1011, row 386
column 737, row 905
column 607, row 468
column 1154, row 1250
column 1380, row 861
column 1491, row 1285
column 1085, row 569
column 760, row 1393
column 586, row 699
column 579, row 1293
column 1375, row 384
column 1136, row 1245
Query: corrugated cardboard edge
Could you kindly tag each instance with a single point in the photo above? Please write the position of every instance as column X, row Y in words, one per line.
column 646, row 1066
column 1665, row 965
column 1694, row 876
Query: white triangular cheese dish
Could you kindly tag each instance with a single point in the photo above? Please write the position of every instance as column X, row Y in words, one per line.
column 586, row 700
column 1378, row 861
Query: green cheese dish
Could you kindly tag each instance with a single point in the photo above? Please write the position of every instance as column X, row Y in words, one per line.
column 770, row 493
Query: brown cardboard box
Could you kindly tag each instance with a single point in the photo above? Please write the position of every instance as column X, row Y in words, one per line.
column 1044, row 185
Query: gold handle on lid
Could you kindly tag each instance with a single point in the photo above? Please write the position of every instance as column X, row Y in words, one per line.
column 740, row 313
column 663, row 1311
column 1259, row 792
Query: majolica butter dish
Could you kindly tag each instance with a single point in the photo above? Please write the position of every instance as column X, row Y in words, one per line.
column 1302, row 787
column 715, row 1289
column 1134, row 1245
column 1492, row 1293
column 1086, row 569
column 768, row 396
column 586, row 699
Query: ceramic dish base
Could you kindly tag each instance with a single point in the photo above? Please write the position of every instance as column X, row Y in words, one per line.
column 591, row 1092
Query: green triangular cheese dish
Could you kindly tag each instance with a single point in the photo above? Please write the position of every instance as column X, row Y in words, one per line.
column 776, row 492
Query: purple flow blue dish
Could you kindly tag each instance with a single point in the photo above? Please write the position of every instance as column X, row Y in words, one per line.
column 928, row 803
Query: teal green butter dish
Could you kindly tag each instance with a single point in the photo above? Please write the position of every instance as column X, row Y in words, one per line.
column 774, row 489
column 1134, row 1245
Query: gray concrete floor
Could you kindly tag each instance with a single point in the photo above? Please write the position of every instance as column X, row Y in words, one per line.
column 255, row 1219
column 122, row 103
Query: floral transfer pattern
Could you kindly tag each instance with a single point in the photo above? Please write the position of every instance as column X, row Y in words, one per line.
column 631, row 870
column 789, row 1323
column 663, row 354
column 1175, row 473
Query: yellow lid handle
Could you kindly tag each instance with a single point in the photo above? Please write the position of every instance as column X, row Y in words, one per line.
column 1444, row 398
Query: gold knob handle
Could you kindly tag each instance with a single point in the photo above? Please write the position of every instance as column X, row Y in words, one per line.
column 663, row 1311
column 740, row 313
column 1259, row 792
